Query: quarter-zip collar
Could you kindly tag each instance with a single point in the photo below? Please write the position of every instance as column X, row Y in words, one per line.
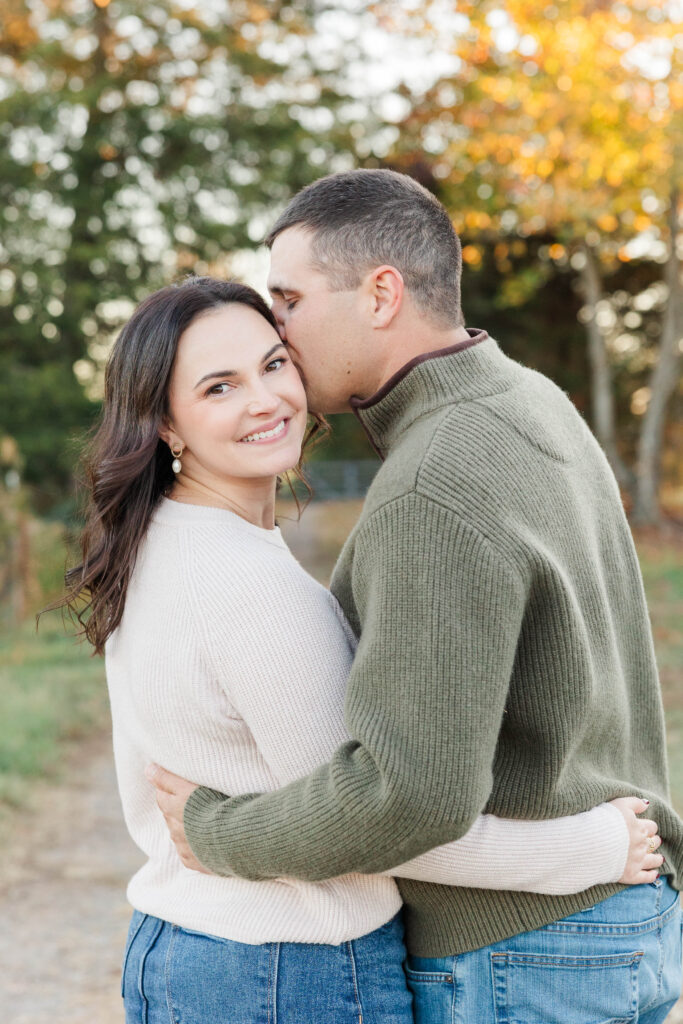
column 470, row 369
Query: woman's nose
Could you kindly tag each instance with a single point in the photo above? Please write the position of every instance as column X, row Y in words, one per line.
column 262, row 399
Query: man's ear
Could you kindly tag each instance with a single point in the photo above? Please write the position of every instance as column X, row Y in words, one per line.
column 386, row 292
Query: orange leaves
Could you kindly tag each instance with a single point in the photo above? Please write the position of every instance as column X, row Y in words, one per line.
column 16, row 29
column 471, row 255
column 476, row 220
column 575, row 143
column 607, row 222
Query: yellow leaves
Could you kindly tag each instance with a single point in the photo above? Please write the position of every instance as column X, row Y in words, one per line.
column 576, row 142
column 499, row 88
column 557, row 251
column 604, row 112
column 477, row 219
column 651, row 153
column 676, row 94
column 556, row 139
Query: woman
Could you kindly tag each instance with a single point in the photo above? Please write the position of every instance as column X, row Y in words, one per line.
column 226, row 664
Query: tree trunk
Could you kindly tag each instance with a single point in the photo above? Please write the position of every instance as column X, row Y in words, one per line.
column 602, row 396
column 662, row 384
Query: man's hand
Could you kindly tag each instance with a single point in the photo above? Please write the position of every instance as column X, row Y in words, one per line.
column 172, row 795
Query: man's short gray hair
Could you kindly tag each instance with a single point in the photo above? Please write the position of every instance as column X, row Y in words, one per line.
column 365, row 218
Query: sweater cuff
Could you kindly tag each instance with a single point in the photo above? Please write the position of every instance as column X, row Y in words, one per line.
column 204, row 829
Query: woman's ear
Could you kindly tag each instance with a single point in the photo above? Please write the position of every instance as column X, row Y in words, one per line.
column 168, row 434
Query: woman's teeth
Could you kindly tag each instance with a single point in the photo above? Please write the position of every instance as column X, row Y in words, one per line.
column 266, row 433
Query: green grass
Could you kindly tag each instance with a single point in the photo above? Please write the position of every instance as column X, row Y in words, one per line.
column 53, row 693
column 662, row 565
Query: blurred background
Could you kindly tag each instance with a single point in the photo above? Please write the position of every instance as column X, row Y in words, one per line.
column 142, row 141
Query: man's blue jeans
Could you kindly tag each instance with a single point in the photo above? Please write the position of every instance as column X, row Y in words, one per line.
column 618, row 962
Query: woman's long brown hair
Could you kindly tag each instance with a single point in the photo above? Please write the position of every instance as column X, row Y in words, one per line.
column 127, row 467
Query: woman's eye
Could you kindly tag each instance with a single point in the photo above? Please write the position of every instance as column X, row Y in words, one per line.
column 219, row 389
column 291, row 304
column 275, row 364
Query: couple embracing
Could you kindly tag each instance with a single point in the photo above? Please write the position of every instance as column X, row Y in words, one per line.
column 438, row 792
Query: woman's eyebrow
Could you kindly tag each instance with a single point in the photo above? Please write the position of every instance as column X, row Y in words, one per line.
column 270, row 351
column 233, row 373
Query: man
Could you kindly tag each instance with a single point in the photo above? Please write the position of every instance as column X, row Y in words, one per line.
column 505, row 661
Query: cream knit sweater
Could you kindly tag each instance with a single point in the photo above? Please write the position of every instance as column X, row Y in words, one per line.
column 229, row 668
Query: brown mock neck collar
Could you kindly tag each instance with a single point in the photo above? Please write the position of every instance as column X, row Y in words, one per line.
column 475, row 335
column 468, row 371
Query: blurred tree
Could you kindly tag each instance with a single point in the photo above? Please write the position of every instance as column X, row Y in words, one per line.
column 137, row 142
column 565, row 120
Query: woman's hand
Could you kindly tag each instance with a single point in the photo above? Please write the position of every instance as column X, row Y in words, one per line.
column 172, row 795
column 642, row 863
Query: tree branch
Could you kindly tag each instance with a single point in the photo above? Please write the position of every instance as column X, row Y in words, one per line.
column 602, row 396
column 662, row 384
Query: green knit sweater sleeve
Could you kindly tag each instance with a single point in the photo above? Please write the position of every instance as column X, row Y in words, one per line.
column 440, row 610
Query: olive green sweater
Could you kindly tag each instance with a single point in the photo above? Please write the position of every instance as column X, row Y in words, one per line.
column 505, row 660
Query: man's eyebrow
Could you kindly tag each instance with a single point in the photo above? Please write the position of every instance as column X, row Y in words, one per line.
column 280, row 289
column 233, row 373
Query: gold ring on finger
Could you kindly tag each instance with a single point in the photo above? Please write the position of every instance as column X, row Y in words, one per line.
column 652, row 844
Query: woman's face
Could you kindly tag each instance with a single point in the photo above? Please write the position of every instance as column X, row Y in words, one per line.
column 236, row 402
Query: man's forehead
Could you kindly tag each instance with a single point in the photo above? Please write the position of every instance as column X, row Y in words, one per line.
column 290, row 260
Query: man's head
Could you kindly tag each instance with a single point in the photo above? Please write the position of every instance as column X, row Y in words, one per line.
column 353, row 254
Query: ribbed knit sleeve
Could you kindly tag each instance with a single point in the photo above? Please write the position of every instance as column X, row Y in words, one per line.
column 557, row 856
column 425, row 701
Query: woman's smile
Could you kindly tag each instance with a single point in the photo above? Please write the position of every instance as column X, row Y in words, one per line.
column 267, row 434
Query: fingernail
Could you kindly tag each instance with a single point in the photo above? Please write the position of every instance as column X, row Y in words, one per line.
column 646, row 802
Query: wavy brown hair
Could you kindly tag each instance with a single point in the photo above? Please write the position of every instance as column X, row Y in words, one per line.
column 127, row 466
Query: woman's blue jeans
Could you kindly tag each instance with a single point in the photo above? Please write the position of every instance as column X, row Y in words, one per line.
column 175, row 976
column 618, row 962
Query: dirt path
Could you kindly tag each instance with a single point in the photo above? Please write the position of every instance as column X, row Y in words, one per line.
column 62, row 900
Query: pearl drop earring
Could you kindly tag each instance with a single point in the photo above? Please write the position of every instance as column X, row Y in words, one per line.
column 176, row 452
